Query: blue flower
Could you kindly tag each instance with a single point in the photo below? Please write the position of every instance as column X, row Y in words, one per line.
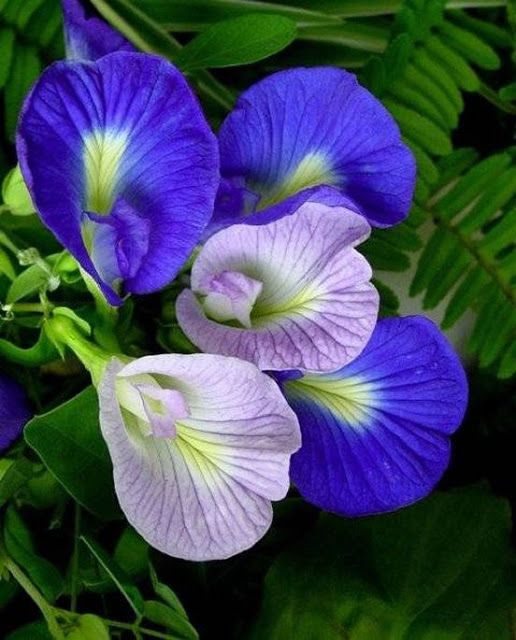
column 376, row 433
column 301, row 129
column 121, row 166
column 14, row 411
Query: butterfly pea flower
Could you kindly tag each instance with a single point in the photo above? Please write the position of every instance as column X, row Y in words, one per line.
column 87, row 35
column 302, row 128
column 376, row 433
column 14, row 411
column 121, row 166
column 200, row 446
column 293, row 293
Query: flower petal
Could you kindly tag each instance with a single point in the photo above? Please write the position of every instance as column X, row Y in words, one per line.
column 87, row 35
column 14, row 411
column 206, row 493
column 376, row 433
column 123, row 138
column 316, row 309
column 301, row 128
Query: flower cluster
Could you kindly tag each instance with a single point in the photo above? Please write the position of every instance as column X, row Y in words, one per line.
column 298, row 381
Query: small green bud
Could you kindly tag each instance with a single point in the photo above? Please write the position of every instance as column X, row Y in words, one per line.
column 16, row 195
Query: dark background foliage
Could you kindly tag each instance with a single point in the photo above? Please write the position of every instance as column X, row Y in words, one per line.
column 438, row 570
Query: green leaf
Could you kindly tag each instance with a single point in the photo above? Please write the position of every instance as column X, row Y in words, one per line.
column 453, row 63
column 27, row 282
column 165, row 616
column 419, row 129
column 132, row 553
column 470, row 46
column 73, row 450
column 27, row 9
column 437, row 570
column 31, row 631
column 6, row 267
column 13, row 475
column 19, row 546
column 237, row 41
column 130, row 593
column 166, row 593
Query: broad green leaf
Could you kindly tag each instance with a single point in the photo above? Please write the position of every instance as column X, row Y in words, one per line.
column 15, row 193
column 120, row 580
column 438, row 570
column 20, row 548
column 165, row 616
column 237, row 41
column 73, row 450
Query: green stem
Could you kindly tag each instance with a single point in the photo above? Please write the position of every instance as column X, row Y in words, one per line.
column 39, row 354
column 6, row 241
column 75, row 557
column 492, row 97
column 65, row 332
column 46, row 609
column 31, row 307
column 135, row 628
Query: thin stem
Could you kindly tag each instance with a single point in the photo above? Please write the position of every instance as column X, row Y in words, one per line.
column 30, row 307
column 75, row 557
column 137, row 629
column 34, row 594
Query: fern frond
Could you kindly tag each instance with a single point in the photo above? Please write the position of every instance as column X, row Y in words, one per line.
column 470, row 257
